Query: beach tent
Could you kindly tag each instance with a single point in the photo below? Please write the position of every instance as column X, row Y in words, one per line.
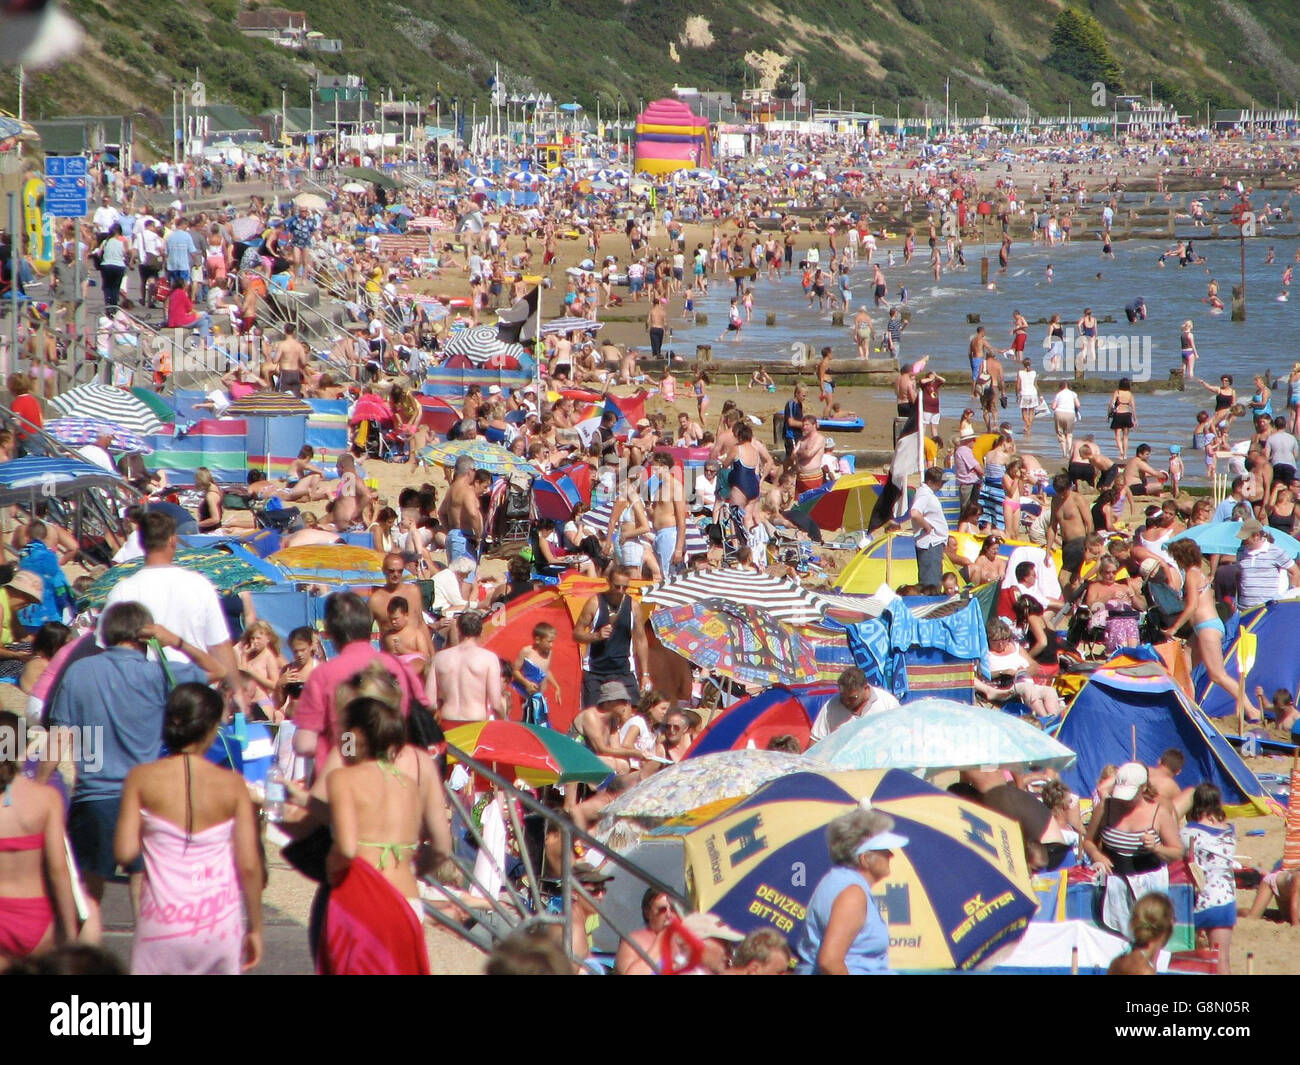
column 218, row 444
column 670, row 137
column 508, row 631
column 1132, row 710
column 1276, row 663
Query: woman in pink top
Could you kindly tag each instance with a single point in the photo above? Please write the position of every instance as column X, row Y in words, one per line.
column 194, row 824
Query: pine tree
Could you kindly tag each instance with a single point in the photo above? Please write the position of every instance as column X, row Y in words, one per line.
column 1079, row 49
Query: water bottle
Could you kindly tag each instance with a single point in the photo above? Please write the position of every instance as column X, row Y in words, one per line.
column 273, row 803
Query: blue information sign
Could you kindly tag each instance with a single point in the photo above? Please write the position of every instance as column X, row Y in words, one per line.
column 67, row 194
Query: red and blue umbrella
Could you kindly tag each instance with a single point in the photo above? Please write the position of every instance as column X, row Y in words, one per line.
column 555, row 496
column 783, row 710
column 77, row 432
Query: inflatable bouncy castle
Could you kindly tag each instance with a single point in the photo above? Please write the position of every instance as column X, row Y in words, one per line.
column 670, row 137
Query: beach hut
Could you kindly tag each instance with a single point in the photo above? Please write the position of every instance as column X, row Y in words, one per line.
column 669, row 136
column 1132, row 710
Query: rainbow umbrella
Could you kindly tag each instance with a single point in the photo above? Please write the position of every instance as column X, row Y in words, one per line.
column 735, row 640
column 265, row 404
column 486, row 456
column 330, row 564
column 536, row 755
column 844, row 504
column 957, row 895
column 226, row 572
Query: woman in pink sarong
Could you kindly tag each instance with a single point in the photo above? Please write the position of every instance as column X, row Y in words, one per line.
column 194, row 824
column 382, row 803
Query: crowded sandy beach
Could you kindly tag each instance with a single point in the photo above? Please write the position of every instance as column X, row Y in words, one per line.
column 459, row 553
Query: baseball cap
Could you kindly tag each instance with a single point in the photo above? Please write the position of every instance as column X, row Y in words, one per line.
column 710, row 926
column 1129, row 780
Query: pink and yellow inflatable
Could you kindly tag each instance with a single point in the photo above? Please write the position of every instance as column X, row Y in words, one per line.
column 670, row 137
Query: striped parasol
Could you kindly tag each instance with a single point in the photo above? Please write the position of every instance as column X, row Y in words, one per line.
column 570, row 325
column 268, row 405
column 77, row 432
column 165, row 411
column 38, row 471
column 596, row 521
column 226, row 572
column 330, row 564
column 745, row 643
column 480, row 343
column 784, row 600
column 102, row 403
column 486, row 456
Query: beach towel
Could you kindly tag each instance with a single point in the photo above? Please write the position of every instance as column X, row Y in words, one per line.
column 370, row 930
column 1122, row 893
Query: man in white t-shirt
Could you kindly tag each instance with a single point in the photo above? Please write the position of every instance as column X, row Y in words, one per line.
column 931, row 528
column 856, row 698
column 97, row 452
column 180, row 600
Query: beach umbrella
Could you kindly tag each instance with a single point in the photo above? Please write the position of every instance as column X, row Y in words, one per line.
column 734, row 640
column 310, row 200
column 226, row 572
column 782, row 710
column 486, row 456
column 49, row 474
column 330, row 564
column 957, row 895
column 555, row 496
column 1220, row 538
column 532, row 753
column 678, row 789
column 479, row 344
column 246, row 226
column 570, row 325
column 267, row 404
column 522, row 177
column 843, row 504
column 103, row 403
column 937, row 734
column 353, row 188
column 480, row 182
column 370, row 174
column 76, row 432
column 401, row 210
column 784, row 600
column 151, row 399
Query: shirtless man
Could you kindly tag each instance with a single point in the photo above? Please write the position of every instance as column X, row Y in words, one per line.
column 978, row 349
column 657, row 323
column 408, row 640
column 290, row 357
column 1089, row 465
column 864, row 333
column 689, row 432
column 1072, row 518
column 807, row 457
column 468, row 677
column 595, row 727
column 824, row 382
column 989, row 381
column 668, row 516
column 1161, row 777
column 351, row 496
column 460, row 513
column 395, row 588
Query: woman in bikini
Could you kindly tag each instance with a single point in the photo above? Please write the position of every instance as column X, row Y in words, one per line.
column 1198, row 609
column 1123, row 415
column 384, row 801
column 36, row 901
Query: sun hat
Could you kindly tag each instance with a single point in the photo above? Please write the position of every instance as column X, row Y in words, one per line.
column 881, row 841
column 710, row 926
column 1129, row 780
column 613, row 691
column 27, row 583
column 587, row 874
column 1248, row 529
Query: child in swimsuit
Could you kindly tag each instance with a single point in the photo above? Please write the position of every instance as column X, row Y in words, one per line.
column 531, row 673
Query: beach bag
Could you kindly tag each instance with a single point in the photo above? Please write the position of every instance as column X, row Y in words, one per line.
column 1167, row 604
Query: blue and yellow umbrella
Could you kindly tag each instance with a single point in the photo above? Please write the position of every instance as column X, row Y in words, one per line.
column 956, row 895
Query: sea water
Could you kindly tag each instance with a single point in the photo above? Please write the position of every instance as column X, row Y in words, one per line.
column 1265, row 341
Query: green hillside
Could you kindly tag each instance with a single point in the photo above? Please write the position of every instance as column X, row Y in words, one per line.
column 883, row 54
